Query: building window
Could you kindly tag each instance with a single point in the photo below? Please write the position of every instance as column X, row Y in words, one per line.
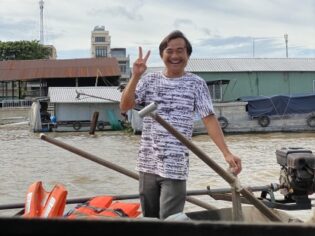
column 216, row 92
column 217, row 88
column 99, row 39
column 100, row 52
column 123, row 68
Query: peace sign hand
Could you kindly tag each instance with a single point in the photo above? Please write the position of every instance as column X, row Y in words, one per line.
column 139, row 66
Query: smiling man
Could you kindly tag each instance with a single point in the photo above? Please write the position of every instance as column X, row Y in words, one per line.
column 163, row 161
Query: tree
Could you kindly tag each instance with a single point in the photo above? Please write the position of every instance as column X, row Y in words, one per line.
column 23, row 50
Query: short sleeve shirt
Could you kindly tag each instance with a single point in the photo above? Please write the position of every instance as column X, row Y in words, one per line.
column 178, row 100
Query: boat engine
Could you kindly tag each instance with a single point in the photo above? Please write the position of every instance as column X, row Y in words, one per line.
column 297, row 175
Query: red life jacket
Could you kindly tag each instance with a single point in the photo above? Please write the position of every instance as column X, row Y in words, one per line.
column 103, row 206
column 40, row 203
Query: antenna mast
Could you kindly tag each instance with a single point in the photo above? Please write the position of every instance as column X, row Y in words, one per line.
column 286, row 44
column 41, row 7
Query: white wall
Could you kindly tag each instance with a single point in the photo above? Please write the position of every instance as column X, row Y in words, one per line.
column 78, row 112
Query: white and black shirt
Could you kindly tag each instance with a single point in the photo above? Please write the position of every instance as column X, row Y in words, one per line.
column 178, row 99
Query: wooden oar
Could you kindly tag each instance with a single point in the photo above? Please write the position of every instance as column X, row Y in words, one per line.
column 228, row 177
column 112, row 166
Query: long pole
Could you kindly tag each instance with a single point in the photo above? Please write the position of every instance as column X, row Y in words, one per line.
column 112, row 166
column 90, row 156
column 93, row 96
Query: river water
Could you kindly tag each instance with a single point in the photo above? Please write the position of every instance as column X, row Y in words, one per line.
column 25, row 158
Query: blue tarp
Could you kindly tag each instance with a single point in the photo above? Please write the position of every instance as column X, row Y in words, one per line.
column 279, row 105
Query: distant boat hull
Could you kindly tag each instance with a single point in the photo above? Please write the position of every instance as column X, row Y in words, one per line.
column 234, row 118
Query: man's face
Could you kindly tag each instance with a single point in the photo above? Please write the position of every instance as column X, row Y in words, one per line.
column 175, row 57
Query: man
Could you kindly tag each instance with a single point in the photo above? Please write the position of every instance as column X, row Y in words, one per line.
column 163, row 161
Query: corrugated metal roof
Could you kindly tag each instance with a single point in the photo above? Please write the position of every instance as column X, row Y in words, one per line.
column 70, row 94
column 45, row 69
column 250, row 64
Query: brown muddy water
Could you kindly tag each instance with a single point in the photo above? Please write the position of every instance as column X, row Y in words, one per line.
column 25, row 158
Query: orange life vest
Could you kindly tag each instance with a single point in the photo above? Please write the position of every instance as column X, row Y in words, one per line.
column 124, row 209
column 40, row 203
column 103, row 206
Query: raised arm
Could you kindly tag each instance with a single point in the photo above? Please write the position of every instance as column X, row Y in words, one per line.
column 128, row 96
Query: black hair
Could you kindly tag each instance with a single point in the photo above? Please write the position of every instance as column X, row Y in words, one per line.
column 174, row 35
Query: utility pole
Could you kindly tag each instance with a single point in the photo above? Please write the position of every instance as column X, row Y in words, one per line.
column 286, row 45
column 41, row 7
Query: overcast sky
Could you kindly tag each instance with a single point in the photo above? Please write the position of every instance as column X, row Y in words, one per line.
column 216, row 28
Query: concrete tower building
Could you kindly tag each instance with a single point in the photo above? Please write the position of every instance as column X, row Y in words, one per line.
column 100, row 42
column 101, row 47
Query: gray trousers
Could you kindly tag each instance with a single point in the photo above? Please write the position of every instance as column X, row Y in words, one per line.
column 161, row 197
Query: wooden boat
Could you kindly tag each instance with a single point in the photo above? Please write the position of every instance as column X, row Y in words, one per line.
column 17, row 226
column 204, row 222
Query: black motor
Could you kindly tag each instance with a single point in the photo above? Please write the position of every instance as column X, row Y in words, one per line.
column 297, row 175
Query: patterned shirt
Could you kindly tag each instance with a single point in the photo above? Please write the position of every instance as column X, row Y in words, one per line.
column 178, row 99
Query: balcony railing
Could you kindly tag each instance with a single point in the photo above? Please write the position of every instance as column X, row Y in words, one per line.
column 16, row 103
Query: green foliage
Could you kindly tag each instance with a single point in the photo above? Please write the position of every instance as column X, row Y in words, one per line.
column 23, row 50
column 127, row 128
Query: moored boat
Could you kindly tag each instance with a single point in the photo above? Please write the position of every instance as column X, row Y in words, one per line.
column 256, row 114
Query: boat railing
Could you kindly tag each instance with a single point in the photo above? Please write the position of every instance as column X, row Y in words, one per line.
column 13, row 103
column 136, row 196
